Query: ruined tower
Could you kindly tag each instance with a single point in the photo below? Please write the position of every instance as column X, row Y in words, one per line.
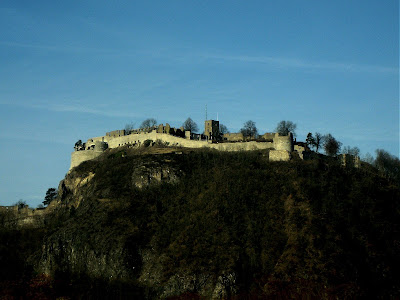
column 211, row 130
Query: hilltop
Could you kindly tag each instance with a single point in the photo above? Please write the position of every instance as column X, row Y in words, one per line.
column 161, row 222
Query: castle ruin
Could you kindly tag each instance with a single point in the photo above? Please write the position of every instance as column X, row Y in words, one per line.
column 280, row 147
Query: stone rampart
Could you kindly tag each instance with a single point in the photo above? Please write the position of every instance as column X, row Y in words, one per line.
column 13, row 216
column 233, row 137
column 97, row 145
column 279, row 155
column 116, row 133
column 268, row 136
column 138, row 139
column 13, row 208
column 79, row 157
column 283, row 142
column 242, row 146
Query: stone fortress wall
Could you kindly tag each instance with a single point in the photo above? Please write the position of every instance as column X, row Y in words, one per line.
column 280, row 146
column 79, row 157
column 14, row 216
column 13, row 209
column 234, row 137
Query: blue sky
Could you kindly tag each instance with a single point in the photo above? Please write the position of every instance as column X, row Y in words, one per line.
column 72, row 70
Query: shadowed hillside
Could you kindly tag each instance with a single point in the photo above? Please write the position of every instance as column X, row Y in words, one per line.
column 205, row 224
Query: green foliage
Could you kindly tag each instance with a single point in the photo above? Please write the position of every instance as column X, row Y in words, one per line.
column 310, row 140
column 51, row 194
column 78, row 143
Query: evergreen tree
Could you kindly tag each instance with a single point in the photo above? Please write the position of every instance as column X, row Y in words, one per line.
column 51, row 194
column 310, row 140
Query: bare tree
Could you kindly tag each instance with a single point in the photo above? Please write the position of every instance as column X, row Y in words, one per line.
column 129, row 127
column 284, row 127
column 368, row 158
column 331, row 145
column 148, row 123
column 223, row 129
column 318, row 141
column 388, row 164
column 249, row 129
column 190, row 125
column 355, row 151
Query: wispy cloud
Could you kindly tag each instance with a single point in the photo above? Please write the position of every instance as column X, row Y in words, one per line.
column 186, row 55
column 75, row 108
column 303, row 64
column 59, row 48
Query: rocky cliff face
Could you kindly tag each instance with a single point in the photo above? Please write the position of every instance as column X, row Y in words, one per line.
column 100, row 239
column 95, row 238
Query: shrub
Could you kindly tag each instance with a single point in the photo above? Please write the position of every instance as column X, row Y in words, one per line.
column 147, row 143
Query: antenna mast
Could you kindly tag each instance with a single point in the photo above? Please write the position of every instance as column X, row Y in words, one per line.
column 206, row 112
